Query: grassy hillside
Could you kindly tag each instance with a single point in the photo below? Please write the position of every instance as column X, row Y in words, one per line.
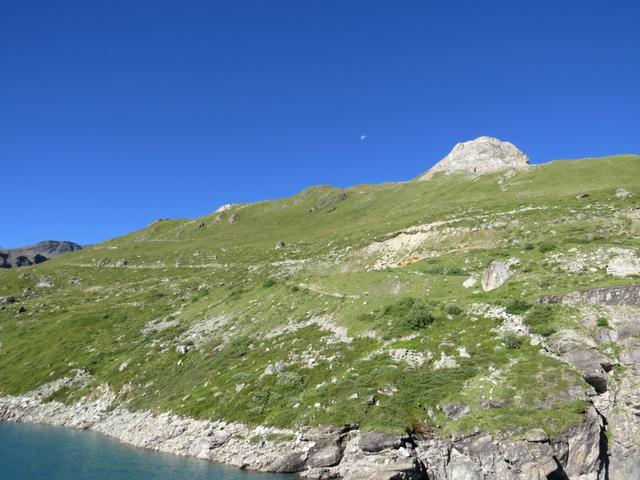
column 353, row 307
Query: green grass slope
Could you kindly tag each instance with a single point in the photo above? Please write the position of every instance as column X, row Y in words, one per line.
column 313, row 333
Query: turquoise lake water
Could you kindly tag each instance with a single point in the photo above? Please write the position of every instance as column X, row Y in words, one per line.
column 30, row 452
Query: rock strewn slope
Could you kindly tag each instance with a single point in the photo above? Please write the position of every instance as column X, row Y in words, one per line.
column 336, row 314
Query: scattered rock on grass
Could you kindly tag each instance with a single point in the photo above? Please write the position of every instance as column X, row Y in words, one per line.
column 455, row 411
column 495, row 276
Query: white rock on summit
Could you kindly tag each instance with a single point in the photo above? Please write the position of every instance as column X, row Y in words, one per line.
column 480, row 156
column 225, row 207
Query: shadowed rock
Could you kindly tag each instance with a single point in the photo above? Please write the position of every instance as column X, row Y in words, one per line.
column 377, row 441
column 34, row 254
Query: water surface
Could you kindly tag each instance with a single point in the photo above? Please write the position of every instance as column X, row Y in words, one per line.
column 30, row 452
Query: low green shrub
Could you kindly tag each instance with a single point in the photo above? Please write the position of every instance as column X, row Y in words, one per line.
column 444, row 270
column 418, row 317
column 539, row 319
column 546, row 247
column 291, row 380
column 366, row 317
column 517, row 306
column 512, row 340
column 454, row 310
column 400, row 308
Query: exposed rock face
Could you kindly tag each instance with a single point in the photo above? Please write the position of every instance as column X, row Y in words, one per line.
column 617, row 295
column 34, row 254
column 480, row 156
column 623, row 416
column 495, row 275
column 378, row 441
column 582, row 352
column 617, row 390
column 323, row 453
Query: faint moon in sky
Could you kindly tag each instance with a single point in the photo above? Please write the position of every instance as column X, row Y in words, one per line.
column 362, row 137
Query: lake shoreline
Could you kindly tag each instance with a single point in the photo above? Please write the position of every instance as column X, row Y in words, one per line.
column 311, row 452
column 36, row 451
column 319, row 453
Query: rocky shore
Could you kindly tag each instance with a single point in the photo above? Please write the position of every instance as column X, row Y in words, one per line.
column 580, row 453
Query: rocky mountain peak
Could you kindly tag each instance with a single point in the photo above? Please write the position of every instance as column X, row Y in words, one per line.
column 480, row 156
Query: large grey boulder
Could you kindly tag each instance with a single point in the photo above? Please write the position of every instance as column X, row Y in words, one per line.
column 536, row 435
column 495, row 275
column 478, row 157
column 292, row 463
column 455, row 411
column 325, row 454
column 377, row 441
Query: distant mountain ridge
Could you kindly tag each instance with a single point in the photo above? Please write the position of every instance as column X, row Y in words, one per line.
column 36, row 253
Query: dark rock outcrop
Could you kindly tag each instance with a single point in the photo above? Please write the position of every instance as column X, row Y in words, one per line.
column 34, row 254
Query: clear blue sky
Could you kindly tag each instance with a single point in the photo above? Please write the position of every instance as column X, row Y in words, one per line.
column 115, row 113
